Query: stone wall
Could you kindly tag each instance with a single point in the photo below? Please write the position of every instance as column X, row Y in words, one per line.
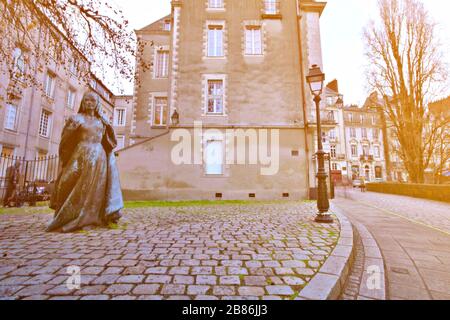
column 425, row 191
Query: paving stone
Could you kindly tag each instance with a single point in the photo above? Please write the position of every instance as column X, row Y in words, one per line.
column 90, row 290
column 179, row 270
column 237, row 271
column 230, row 280
column 294, row 281
column 156, row 270
column 255, row 281
column 146, row 289
column 173, row 289
column 201, row 270
column 208, row 280
column 224, row 290
column 179, row 279
column 251, row 291
column 105, row 279
column 197, row 290
column 280, row 290
column 119, row 289
column 131, row 279
column 158, row 279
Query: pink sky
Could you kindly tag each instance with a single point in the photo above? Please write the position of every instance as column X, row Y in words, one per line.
column 341, row 25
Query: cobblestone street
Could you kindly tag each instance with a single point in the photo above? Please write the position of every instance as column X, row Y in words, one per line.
column 259, row 251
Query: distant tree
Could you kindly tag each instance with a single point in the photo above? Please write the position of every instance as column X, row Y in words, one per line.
column 62, row 29
column 405, row 63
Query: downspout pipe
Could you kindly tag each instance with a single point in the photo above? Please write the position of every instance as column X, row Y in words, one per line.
column 302, row 81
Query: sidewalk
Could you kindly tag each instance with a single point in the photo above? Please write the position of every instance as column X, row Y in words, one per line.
column 416, row 254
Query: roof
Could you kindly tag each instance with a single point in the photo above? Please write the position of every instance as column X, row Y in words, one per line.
column 154, row 26
column 440, row 106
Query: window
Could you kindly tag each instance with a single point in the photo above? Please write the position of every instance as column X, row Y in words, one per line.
column 366, row 150
column 167, row 26
column 333, row 151
column 364, row 133
column 376, row 134
column 354, row 150
column 44, row 124
column 50, row 85
column 362, row 118
column 11, row 117
column 215, row 97
column 71, row 98
column 214, row 157
column 215, row 41
column 332, row 134
column 73, row 66
column 120, row 142
column 7, row 152
column 253, row 40
column 352, row 133
column 350, row 117
column 19, row 63
column 374, row 120
column 377, row 151
column 162, row 64
column 330, row 101
column 120, row 117
column 270, row 6
column 330, row 116
column 335, row 166
column 378, row 172
column 215, row 4
column 160, row 112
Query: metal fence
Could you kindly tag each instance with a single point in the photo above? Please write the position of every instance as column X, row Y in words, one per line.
column 38, row 173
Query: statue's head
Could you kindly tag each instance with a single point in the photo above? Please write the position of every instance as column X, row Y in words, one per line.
column 89, row 102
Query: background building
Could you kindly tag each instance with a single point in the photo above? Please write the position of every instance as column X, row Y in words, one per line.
column 364, row 143
column 123, row 114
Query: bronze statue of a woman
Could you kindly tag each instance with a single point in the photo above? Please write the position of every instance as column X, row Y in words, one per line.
column 87, row 191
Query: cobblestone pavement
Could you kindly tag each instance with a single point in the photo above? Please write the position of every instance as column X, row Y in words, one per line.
column 415, row 249
column 261, row 251
column 351, row 289
column 432, row 213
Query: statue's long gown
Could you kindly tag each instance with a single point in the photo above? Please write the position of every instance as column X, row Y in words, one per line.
column 88, row 189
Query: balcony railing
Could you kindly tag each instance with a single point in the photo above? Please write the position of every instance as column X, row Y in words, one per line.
column 367, row 158
column 326, row 118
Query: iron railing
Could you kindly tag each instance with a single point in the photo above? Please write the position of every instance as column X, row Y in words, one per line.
column 35, row 175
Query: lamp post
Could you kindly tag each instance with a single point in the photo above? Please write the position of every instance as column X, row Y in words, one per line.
column 315, row 80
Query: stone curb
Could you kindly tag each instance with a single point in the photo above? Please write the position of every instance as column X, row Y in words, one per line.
column 373, row 260
column 328, row 283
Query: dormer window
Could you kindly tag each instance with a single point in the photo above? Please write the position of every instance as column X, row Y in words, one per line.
column 167, row 26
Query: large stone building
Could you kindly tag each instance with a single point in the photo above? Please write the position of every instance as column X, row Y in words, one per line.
column 33, row 113
column 215, row 69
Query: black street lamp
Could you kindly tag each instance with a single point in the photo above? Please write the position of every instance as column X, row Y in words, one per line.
column 315, row 80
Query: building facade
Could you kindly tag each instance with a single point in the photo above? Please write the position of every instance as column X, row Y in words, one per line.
column 39, row 91
column 123, row 114
column 214, row 73
column 365, row 157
